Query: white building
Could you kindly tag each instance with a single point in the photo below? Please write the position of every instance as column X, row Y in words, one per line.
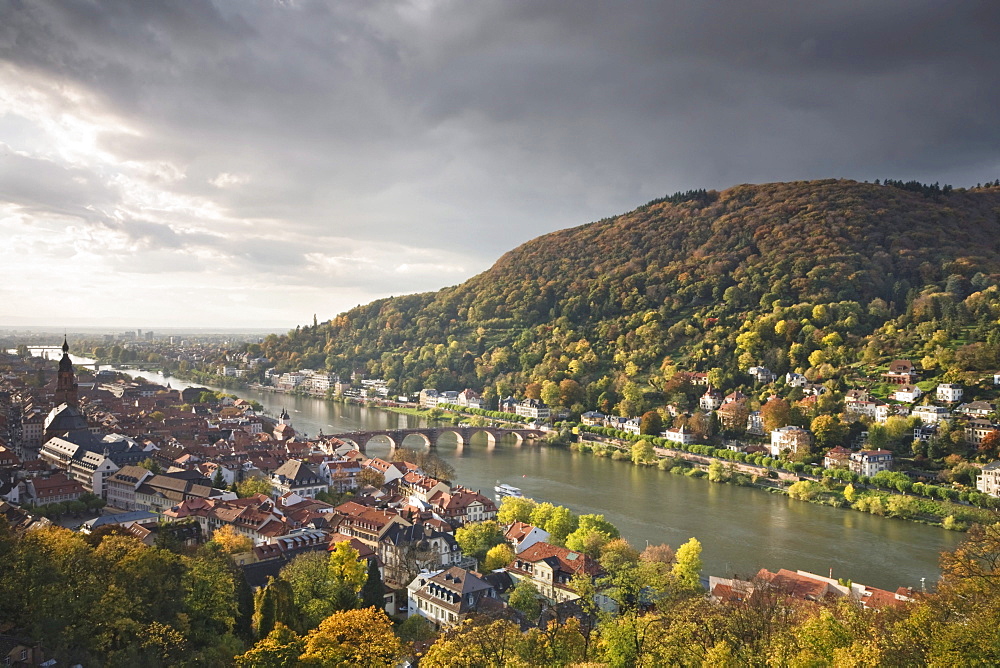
column 470, row 399
column 533, row 408
column 678, row 435
column 795, row 379
column 762, row 374
column 930, row 414
column 988, row 481
column 949, row 392
column 429, row 398
column 908, row 393
column 870, row 462
column 789, row 438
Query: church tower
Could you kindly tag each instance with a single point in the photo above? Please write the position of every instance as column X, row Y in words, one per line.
column 66, row 387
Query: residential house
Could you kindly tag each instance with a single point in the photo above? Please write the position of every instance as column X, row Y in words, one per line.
column 733, row 411
column 806, row 587
column 408, row 550
column 253, row 517
column 56, row 488
column 390, row 470
column 976, row 429
column 907, row 393
column 461, row 505
column 680, row 435
column 795, row 379
column 870, row 462
column 340, row 475
column 21, row 653
column 837, row 457
column 988, row 481
column 429, row 398
column 521, row 536
column 444, row 597
column 533, row 408
column 421, row 486
column 930, row 414
column 632, row 426
column 551, row 569
column 161, row 492
column 593, row 418
column 762, row 374
column 711, row 400
column 791, row 438
column 364, row 523
column 901, row 372
column 977, row 408
column 470, row 399
column 508, row 405
column 949, row 392
column 298, row 477
column 755, row 423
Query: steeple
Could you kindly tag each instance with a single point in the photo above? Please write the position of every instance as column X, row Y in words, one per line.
column 66, row 387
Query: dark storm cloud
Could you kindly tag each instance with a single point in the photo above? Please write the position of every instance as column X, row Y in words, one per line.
column 475, row 126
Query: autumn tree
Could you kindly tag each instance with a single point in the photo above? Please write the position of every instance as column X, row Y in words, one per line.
column 828, row 431
column 368, row 476
column 281, row 647
column 651, row 423
column 479, row 642
column 362, row 638
column 687, row 565
column 254, row 485
column 230, row 541
column 776, row 413
column 498, row 556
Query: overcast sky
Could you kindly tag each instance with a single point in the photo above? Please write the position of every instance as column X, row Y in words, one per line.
column 243, row 163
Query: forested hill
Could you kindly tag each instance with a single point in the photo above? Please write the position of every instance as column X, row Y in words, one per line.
column 683, row 282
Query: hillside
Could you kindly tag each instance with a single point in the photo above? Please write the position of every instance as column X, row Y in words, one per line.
column 756, row 274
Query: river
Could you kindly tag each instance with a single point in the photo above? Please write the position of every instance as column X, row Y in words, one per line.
column 741, row 529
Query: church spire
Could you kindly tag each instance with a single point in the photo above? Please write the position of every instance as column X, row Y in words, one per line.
column 66, row 386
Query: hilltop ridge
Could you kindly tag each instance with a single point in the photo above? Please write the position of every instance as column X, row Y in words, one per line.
column 676, row 282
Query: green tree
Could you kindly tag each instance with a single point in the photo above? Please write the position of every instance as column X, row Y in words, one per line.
column 515, row 509
column 477, row 538
column 561, row 524
column 373, row 591
column 642, row 452
column 525, row 599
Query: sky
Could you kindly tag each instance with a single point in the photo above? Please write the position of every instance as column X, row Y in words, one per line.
column 250, row 163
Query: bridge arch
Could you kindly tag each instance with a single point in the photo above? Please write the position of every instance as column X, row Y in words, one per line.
column 403, row 435
column 372, row 437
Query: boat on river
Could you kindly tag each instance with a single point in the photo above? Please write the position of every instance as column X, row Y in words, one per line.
column 503, row 490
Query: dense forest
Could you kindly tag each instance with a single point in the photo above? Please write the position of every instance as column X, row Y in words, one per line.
column 787, row 275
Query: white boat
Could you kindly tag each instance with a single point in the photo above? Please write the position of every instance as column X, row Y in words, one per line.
column 503, row 489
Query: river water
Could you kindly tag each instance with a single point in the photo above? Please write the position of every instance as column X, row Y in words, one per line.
column 741, row 530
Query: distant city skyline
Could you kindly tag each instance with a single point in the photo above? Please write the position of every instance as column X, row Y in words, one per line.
column 250, row 164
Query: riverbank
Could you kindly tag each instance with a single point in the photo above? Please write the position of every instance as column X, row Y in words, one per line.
column 813, row 487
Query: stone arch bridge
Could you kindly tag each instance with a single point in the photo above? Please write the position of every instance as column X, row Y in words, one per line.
column 430, row 435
